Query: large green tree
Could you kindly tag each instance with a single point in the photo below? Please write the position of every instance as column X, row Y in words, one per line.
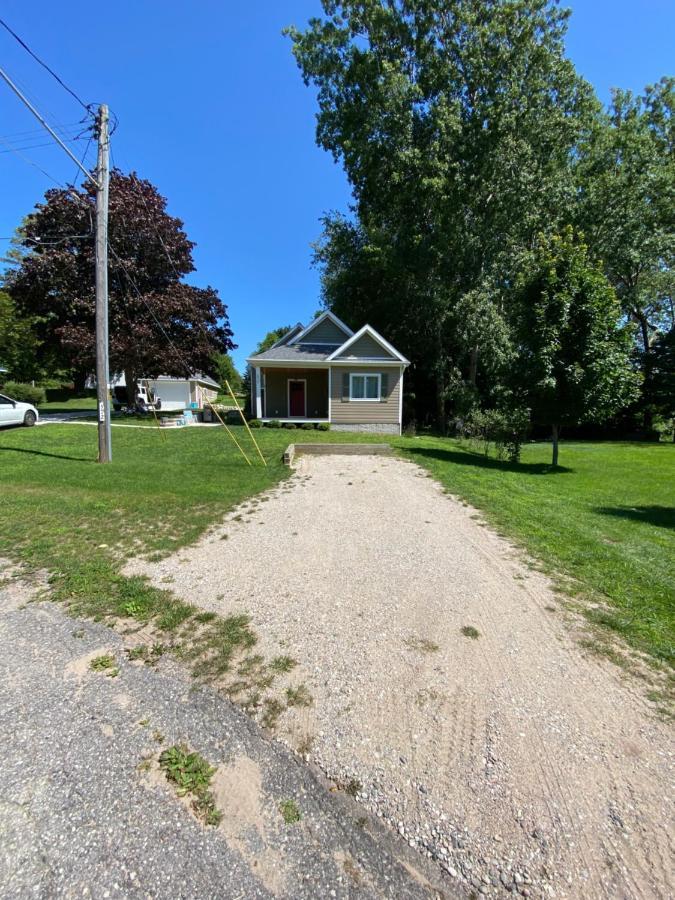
column 18, row 342
column 626, row 180
column 455, row 121
column 572, row 356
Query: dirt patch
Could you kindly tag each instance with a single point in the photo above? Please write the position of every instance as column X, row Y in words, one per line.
column 514, row 759
column 237, row 789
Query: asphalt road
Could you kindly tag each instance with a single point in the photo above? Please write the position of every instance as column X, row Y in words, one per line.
column 78, row 817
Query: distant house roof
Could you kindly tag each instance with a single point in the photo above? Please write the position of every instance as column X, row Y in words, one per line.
column 202, row 379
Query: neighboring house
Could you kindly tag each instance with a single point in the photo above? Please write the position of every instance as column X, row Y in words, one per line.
column 183, row 393
column 327, row 373
column 175, row 393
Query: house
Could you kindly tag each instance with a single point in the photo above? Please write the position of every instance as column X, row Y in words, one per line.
column 193, row 392
column 325, row 372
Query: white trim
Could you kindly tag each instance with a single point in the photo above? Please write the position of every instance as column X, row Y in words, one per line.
column 365, row 399
column 258, row 393
column 312, row 325
column 400, row 401
column 288, row 396
column 376, row 337
column 319, row 343
column 330, row 392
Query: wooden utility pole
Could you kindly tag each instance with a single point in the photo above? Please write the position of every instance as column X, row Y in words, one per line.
column 102, row 373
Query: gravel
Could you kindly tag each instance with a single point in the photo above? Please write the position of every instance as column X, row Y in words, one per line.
column 78, row 817
column 515, row 761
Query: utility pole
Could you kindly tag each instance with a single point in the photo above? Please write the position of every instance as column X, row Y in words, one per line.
column 101, row 183
column 102, row 374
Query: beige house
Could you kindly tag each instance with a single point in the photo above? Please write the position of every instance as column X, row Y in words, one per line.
column 325, row 372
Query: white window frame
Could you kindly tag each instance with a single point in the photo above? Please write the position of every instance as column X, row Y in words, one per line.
column 364, row 399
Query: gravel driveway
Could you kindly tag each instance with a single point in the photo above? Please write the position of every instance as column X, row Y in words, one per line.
column 511, row 757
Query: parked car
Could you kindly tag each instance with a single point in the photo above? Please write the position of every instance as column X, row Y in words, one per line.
column 13, row 412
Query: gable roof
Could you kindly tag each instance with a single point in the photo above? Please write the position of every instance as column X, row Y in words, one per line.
column 376, row 336
column 319, row 319
column 285, row 338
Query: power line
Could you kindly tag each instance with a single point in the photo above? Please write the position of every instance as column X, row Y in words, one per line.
column 45, row 144
column 45, row 66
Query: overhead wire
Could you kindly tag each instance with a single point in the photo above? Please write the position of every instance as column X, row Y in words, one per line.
column 44, row 65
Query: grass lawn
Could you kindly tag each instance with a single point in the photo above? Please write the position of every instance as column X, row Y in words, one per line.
column 70, row 404
column 605, row 518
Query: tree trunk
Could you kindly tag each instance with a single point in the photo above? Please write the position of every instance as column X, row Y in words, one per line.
column 79, row 380
column 440, row 406
column 473, row 366
column 647, row 417
column 555, row 433
column 131, row 379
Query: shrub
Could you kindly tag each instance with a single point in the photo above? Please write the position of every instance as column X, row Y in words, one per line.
column 307, row 426
column 273, row 423
column 24, row 393
column 505, row 429
column 323, row 426
column 290, row 425
column 255, row 423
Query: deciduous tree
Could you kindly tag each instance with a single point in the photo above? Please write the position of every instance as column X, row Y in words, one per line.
column 159, row 324
column 572, row 360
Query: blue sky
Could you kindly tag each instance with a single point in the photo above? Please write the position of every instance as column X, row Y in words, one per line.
column 212, row 109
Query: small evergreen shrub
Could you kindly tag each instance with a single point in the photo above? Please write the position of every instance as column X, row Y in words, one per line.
column 307, row 426
column 290, row 425
column 323, row 426
column 24, row 393
column 255, row 423
column 273, row 423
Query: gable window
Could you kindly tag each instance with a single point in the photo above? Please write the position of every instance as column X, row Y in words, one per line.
column 364, row 387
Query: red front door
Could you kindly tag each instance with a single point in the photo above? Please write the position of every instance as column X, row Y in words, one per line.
column 296, row 398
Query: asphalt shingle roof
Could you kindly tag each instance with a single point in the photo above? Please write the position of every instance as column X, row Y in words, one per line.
column 297, row 352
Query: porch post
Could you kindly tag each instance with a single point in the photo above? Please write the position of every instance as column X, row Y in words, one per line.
column 258, row 392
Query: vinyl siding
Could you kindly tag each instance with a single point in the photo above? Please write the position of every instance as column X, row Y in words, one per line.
column 365, row 412
column 366, row 348
column 254, row 373
column 326, row 332
column 276, row 382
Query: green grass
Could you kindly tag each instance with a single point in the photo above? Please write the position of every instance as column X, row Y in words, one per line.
column 191, row 774
column 605, row 518
column 68, row 404
column 290, row 812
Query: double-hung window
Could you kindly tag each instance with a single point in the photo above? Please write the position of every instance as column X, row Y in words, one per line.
column 364, row 387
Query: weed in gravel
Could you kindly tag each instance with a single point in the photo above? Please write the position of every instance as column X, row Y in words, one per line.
column 191, row 774
column 298, row 696
column 105, row 663
column 144, row 765
column 204, row 617
column 283, row 664
column 144, row 722
column 78, row 633
column 272, row 709
column 470, row 632
column 306, row 744
column 158, row 736
column 290, row 811
column 353, row 787
column 214, row 648
column 421, row 645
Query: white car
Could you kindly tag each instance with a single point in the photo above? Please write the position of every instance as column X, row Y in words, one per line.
column 13, row 412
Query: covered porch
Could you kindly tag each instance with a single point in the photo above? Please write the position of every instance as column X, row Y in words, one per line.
column 294, row 394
